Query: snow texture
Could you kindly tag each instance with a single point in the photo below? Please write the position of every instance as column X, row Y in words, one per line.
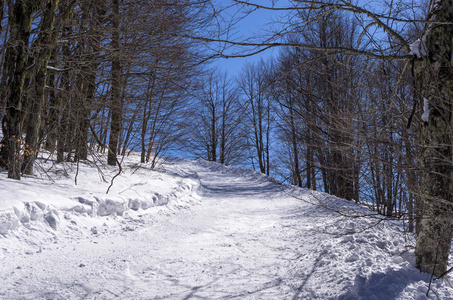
column 196, row 230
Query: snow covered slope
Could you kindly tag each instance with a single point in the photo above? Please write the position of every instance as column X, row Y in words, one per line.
column 66, row 188
column 196, row 230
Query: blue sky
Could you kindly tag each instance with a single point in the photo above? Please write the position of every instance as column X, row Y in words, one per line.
column 250, row 26
column 234, row 66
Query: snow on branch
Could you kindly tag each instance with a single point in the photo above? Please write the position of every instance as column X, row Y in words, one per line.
column 56, row 69
column 418, row 48
column 426, row 110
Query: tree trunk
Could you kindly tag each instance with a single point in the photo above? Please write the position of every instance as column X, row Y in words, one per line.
column 213, row 131
column 116, row 103
column 45, row 43
column 20, row 19
column 297, row 171
column 434, row 75
column 2, row 7
column 53, row 112
column 222, row 156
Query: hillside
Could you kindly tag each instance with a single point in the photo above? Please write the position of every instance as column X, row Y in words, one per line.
column 195, row 230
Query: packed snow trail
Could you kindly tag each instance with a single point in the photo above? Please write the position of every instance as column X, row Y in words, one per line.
column 245, row 239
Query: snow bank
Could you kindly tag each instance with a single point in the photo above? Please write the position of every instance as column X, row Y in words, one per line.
column 44, row 198
column 356, row 254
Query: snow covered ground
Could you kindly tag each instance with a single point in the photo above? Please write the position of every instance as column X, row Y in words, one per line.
column 195, row 230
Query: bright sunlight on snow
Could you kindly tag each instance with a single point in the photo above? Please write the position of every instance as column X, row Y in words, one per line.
column 196, row 230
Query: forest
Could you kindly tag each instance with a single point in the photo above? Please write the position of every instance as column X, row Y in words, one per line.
column 357, row 102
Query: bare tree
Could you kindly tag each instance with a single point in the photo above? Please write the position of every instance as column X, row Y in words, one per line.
column 42, row 47
column 431, row 58
column 20, row 17
column 253, row 84
column 216, row 131
column 80, row 69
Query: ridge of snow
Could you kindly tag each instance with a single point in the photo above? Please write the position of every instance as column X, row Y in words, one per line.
column 40, row 200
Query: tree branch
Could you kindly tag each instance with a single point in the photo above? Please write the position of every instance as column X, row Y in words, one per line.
column 120, row 169
column 293, row 45
column 346, row 6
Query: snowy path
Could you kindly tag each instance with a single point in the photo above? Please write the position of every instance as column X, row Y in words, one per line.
column 246, row 239
column 232, row 245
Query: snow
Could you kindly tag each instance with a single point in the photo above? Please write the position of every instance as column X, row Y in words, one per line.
column 426, row 110
column 55, row 69
column 418, row 48
column 196, row 229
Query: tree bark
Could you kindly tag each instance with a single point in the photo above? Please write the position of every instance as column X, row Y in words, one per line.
column 116, row 103
column 434, row 75
column 45, row 43
column 96, row 15
column 20, row 18
column 2, row 7
column 294, row 143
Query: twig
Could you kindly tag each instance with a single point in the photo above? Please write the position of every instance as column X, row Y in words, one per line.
column 445, row 273
column 116, row 175
column 77, row 172
column 432, row 274
column 110, row 151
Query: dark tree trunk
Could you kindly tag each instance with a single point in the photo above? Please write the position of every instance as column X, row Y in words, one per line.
column 52, row 113
column 45, row 43
column 2, row 8
column 62, row 134
column 97, row 13
column 213, row 132
column 223, row 139
column 20, row 18
column 434, row 74
column 116, row 103
column 294, row 142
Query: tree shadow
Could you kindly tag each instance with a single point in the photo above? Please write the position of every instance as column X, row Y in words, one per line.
column 219, row 287
column 378, row 286
column 239, row 295
column 301, row 287
column 244, row 190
